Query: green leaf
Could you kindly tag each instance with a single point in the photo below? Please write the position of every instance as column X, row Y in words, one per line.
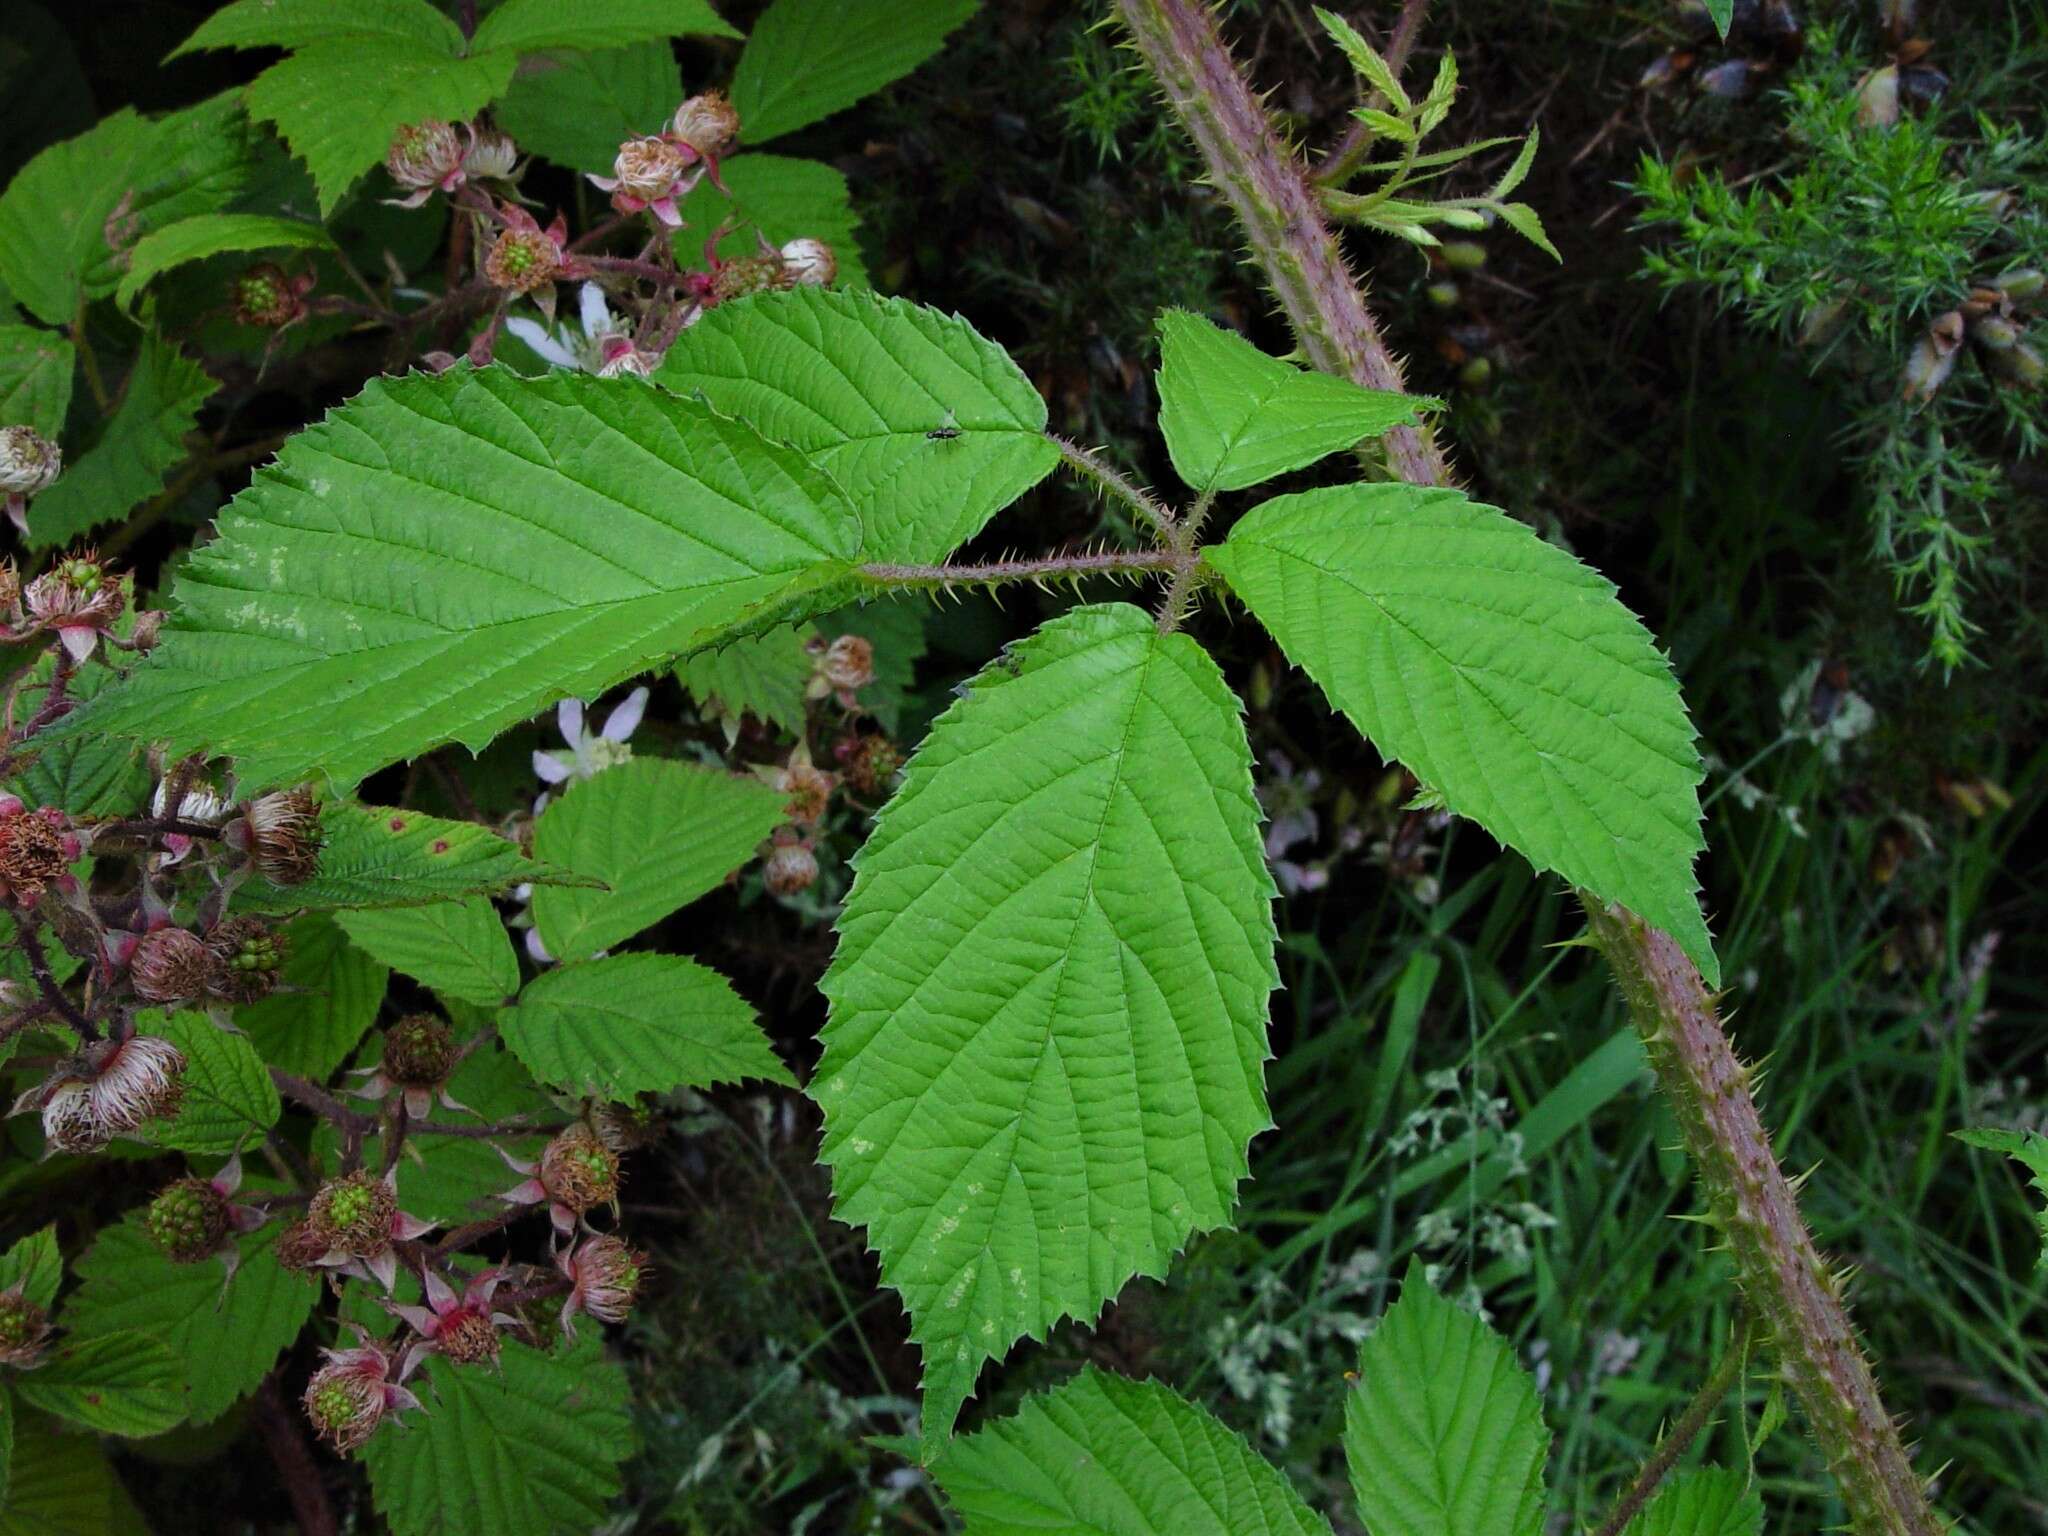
column 298, row 23
column 375, row 856
column 142, row 173
column 1047, row 1039
column 330, row 994
column 229, row 1100
column 1506, row 674
column 2030, row 1148
column 211, row 234
column 777, row 198
column 226, row 1336
column 759, row 675
column 806, row 59
column 531, row 1447
column 35, row 379
column 637, row 1023
column 576, row 109
column 1373, row 69
column 458, row 948
column 63, row 1485
column 1721, row 13
column 1232, row 416
column 35, row 1264
column 444, row 555
column 84, row 775
column 1443, row 1435
column 1105, row 1456
column 1708, row 1501
column 144, row 441
column 1518, row 168
column 338, row 102
column 1523, row 220
column 526, row 25
column 657, row 833
column 118, row 1384
column 860, row 383
column 6, row 1453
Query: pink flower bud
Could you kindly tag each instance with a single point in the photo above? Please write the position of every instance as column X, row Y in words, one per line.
column 171, row 965
column 809, row 262
column 491, row 155
column 425, row 157
column 707, row 123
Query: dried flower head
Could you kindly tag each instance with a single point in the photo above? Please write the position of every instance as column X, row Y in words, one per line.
column 267, row 297
column 350, row 1396
column 353, row 1213
column 491, row 155
column 791, row 867
column 172, row 965
column 649, row 174
column 300, row 1247
column 425, row 158
column 809, row 262
column 71, row 1121
column 707, row 123
column 809, row 789
column 419, row 1055
column 78, row 598
column 527, row 257
column 250, row 954
column 463, row 1328
column 576, row 1172
column 604, row 1279
column 29, row 462
column 24, row 1329
column 134, row 1080
column 848, row 663
column 280, row 833
column 37, row 849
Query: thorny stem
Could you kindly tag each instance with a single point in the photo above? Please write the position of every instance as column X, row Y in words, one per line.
column 1108, row 562
column 1734, row 1361
column 31, row 943
column 649, row 271
column 1150, row 510
column 1796, row 1300
column 1270, row 195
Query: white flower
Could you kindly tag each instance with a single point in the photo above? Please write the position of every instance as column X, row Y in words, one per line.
column 564, row 348
column 588, row 755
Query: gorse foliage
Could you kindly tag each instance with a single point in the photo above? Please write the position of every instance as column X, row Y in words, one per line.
column 1044, row 1057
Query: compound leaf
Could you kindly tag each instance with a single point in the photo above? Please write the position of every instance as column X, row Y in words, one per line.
column 525, row 25
column 533, row 1446
column 35, row 378
column 1046, row 1048
column 1443, row 1435
column 458, row 948
column 299, row 23
column 337, row 102
column 1105, row 1456
column 144, row 441
column 229, row 1100
column 375, row 856
column 640, row 1023
column 1232, row 416
column 862, row 384
column 117, row 1383
column 444, row 555
column 806, row 59
column 1708, row 1501
column 657, row 834
column 1506, row 674
column 226, row 1334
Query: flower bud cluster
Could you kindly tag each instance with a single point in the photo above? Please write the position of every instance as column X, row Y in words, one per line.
column 651, row 173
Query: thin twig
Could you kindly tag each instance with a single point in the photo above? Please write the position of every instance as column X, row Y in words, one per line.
column 1734, row 1360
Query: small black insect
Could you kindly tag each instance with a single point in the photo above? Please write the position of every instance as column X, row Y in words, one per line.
column 945, row 431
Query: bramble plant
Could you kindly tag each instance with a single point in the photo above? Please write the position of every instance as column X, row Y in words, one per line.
column 1043, row 1064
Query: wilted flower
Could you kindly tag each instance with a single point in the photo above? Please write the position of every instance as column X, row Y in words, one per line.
column 707, row 124
column 604, row 1278
column 791, row 867
column 529, row 259
column 650, row 174
column 29, row 462
column 809, row 788
column 809, row 262
column 171, row 965
column 300, row 1247
column 280, row 833
column 425, row 158
column 419, row 1053
column 463, row 1328
column 251, row 955
column 357, row 1215
column 594, row 351
column 576, row 1173
column 37, row 849
column 491, row 155
column 848, row 663
column 24, row 1329
column 349, row 1396
column 267, row 297
column 78, row 598
column 588, row 755
column 108, row 1089
column 197, row 803
column 193, row 1219
column 622, row 359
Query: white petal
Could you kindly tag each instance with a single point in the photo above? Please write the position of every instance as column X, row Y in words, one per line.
column 625, row 720
column 569, row 716
column 548, row 768
column 597, row 319
column 537, row 949
column 542, row 341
